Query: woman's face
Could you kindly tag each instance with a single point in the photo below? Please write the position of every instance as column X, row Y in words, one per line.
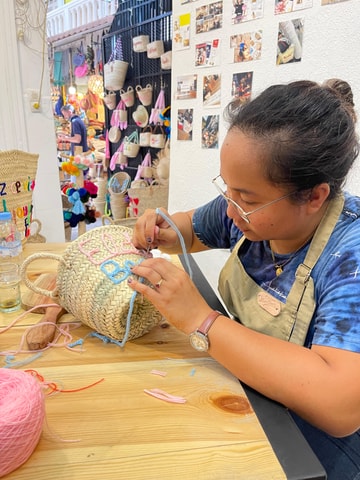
column 242, row 172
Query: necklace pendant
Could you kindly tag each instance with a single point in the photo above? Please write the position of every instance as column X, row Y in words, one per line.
column 278, row 270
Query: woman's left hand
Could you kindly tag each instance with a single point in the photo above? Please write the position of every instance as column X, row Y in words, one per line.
column 172, row 292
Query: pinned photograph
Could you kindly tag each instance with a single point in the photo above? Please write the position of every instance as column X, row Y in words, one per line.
column 210, row 131
column 246, row 10
column 241, row 87
column 289, row 41
column 209, row 17
column 207, row 54
column 186, row 86
column 185, row 124
column 246, row 46
column 181, row 35
column 211, row 90
column 286, row 6
column 329, row 2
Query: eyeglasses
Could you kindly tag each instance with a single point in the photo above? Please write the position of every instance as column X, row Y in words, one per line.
column 221, row 187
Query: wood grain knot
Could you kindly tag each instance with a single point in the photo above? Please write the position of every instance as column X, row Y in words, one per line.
column 233, row 404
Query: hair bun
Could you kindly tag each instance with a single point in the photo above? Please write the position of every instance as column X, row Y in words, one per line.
column 343, row 90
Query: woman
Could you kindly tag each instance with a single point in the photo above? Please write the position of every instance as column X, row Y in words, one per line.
column 292, row 281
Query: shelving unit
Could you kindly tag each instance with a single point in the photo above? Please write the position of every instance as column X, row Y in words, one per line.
column 133, row 18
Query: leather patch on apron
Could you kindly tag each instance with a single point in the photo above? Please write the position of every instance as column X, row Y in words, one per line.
column 269, row 303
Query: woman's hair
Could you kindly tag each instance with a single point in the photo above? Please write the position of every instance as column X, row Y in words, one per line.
column 306, row 130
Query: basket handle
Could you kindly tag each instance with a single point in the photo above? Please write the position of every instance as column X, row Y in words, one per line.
column 106, row 220
column 29, row 283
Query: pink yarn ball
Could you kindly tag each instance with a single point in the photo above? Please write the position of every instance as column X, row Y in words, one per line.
column 22, row 408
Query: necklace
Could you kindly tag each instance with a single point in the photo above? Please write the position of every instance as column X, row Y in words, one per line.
column 279, row 267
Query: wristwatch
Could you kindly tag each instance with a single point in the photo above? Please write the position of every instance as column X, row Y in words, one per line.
column 199, row 339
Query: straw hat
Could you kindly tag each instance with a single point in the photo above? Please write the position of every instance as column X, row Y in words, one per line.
column 141, row 116
column 114, row 134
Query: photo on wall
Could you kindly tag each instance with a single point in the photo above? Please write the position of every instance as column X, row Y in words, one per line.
column 241, row 87
column 329, row 2
column 209, row 17
column 246, row 46
column 246, row 10
column 286, row 6
column 211, row 90
column 186, row 86
column 185, row 124
column 207, row 54
column 210, row 131
column 181, row 29
column 289, row 41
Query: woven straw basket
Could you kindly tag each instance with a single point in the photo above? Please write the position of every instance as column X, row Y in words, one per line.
column 115, row 74
column 92, row 283
column 151, row 196
column 17, row 172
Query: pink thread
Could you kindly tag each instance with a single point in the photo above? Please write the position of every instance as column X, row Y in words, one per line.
column 167, row 397
column 22, row 416
column 11, row 324
column 108, row 241
column 63, row 331
column 158, row 372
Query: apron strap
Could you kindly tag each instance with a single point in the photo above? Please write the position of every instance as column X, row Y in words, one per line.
column 295, row 299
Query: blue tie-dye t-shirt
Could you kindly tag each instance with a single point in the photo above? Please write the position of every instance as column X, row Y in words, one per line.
column 336, row 320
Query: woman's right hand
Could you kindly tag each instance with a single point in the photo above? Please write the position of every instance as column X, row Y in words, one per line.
column 152, row 230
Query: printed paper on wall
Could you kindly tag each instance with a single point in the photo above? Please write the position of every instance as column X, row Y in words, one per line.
column 247, row 46
column 209, row 17
column 246, row 10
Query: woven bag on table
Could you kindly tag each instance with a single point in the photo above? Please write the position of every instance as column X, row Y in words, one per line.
column 17, row 173
column 92, row 283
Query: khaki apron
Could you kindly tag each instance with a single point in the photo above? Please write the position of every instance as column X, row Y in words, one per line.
column 257, row 309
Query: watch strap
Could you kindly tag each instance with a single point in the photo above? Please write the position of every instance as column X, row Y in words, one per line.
column 209, row 320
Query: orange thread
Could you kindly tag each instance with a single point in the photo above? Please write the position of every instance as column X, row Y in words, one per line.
column 52, row 386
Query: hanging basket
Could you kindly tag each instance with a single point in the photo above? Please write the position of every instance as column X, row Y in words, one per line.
column 119, row 184
column 115, row 69
column 110, row 100
column 131, row 145
column 146, row 196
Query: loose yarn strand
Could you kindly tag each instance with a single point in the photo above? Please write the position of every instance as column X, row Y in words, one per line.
column 181, row 239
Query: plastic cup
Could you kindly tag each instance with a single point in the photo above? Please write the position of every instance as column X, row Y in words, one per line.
column 10, row 297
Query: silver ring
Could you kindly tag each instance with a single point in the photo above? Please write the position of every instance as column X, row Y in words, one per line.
column 158, row 284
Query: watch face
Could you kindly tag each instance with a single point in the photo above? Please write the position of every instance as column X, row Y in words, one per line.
column 199, row 341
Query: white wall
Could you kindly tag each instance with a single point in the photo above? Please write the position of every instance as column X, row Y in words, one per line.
column 25, row 69
column 331, row 48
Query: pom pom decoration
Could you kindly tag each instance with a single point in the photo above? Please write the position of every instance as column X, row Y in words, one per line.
column 165, row 117
column 91, row 188
column 70, row 168
column 22, row 407
column 78, row 207
column 84, row 162
column 77, row 198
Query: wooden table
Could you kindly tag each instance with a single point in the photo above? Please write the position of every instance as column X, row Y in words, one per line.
column 114, row 430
